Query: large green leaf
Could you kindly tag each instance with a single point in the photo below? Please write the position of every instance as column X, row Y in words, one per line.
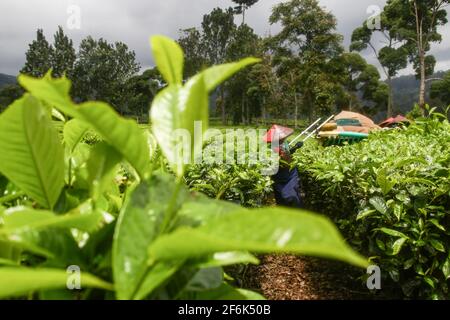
column 23, row 219
column 124, row 135
column 74, row 131
column 263, row 230
column 57, row 244
column 138, row 226
column 157, row 276
column 169, row 59
column 190, row 280
column 384, row 182
column 20, row 281
column 102, row 161
column 32, row 156
column 199, row 209
column 220, row 259
column 215, row 75
column 55, row 92
column 174, row 112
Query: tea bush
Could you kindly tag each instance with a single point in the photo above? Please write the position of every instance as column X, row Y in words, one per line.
column 390, row 196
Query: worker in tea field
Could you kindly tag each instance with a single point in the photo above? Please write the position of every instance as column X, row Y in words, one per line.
column 286, row 180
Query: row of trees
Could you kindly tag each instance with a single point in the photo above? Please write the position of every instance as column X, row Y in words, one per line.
column 407, row 29
column 305, row 70
column 99, row 71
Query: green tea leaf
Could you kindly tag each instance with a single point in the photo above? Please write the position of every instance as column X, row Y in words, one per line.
column 124, row 135
column 205, row 279
column 138, row 226
column 20, row 219
column 199, row 209
column 174, row 113
column 32, row 156
column 169, row 59
column 379, row 204
column 221, row 259
column 74, row 131
column 384, row 182
column 55, row 92
column 216, row 75
column 397, row 246
column 437, row 245
column 259, row 231
column 100, row 166
column 446, row 268
column 393, row 233
column 156, row 276
column 20, row 281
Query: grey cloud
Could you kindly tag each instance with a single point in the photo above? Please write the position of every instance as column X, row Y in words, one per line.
column 133, row 21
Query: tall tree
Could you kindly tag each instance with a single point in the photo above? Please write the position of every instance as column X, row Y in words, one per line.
column 38, row 56
column 102, row 71
column 141, row 89
column 392, row 55
column 243, row 5
column 191, row 42
column 218, row 29
column 417, row 22
column 63, row 56
column 363, row 88
column 244, row 43
column 307, row 42
column 264, row 87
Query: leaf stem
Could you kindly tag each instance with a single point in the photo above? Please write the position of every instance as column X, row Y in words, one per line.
column 171, row 212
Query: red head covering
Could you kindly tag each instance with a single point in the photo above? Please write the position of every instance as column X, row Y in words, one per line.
column 277, row 132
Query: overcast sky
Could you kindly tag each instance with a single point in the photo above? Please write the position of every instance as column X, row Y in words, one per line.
column 133, row 21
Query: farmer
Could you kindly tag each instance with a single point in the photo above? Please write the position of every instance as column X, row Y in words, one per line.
column 286, row 180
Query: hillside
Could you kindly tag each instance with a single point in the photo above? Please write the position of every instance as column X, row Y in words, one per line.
column 6, row 79
column 406, row 91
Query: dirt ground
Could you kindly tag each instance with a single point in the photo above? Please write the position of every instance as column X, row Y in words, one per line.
column 287, row 277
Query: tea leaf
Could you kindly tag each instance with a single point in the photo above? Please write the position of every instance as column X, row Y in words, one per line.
column 174, row 113
column 169, row 59
column 138, row 226
column 216, row 75
column 74, row 131
column 32, row 157
column 20, row 281
column 124, row 135
column 53, row 91
column 260, row 231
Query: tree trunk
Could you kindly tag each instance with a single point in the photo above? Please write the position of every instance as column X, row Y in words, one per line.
column 390, row 108
column 248, row 113
column 296, row 111
column 242, row 110
column 264, row 111
column 422, row 81
column 222, row 106
column 421, row 51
